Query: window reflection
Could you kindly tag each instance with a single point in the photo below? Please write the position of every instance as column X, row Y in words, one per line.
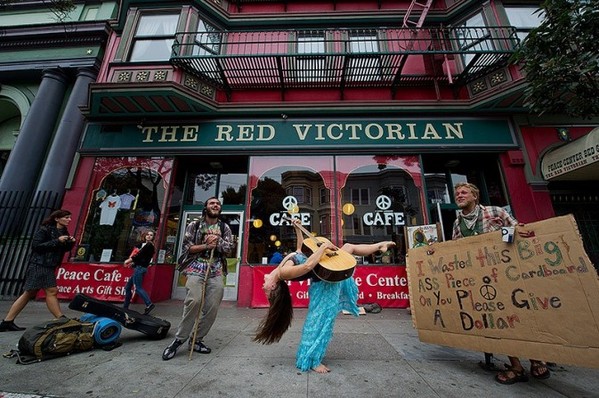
column 229, row 188
column 384, row 200
column 278, row 191
column 127, row 202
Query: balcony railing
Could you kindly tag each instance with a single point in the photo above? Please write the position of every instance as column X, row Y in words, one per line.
column 390, row 57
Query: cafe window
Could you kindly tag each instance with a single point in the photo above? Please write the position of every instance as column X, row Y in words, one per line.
column 282, row 192
column 378, row 197
column 128, row 199
column 381, row 196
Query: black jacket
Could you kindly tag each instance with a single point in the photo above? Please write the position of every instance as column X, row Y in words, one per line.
column 47, row 250
column 144, row 256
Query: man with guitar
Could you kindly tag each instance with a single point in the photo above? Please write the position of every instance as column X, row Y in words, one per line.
column 327, row 297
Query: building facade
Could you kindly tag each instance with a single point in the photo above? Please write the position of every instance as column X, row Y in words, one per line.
column 356, row 117
column 48, row 58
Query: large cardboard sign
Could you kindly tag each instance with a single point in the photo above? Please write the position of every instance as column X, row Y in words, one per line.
column 537, row 297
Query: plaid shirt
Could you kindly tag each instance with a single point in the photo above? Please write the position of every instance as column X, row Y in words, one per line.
column 195, row 235
column 493, row 219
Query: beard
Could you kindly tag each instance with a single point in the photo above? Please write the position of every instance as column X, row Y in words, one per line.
column 212, row 214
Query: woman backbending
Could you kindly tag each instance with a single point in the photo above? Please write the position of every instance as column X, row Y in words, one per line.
column 327, row 299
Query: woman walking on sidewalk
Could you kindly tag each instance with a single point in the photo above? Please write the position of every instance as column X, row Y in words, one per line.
column 140, row 261
column 327, row 299
column 50, row 242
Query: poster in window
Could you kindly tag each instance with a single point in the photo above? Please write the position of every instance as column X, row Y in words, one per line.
column 422, row 235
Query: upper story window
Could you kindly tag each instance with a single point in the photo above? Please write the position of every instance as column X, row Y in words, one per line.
column 310, row 60
column 207, row 41
column 364, row 67
column 154, row 37
column 474, row 37
column 524, row 19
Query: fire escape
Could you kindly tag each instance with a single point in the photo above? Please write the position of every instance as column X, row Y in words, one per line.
column 392, row 58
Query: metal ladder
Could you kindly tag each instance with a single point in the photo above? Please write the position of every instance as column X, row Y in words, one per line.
column 413, row 20
column 416, row 14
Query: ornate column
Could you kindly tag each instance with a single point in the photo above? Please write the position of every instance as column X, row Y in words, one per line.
column 66, row 140
column 29, row 152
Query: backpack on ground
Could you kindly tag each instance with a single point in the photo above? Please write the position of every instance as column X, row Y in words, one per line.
column 55, row 338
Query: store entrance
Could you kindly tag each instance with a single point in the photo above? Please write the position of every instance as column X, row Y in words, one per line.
column 235, row 221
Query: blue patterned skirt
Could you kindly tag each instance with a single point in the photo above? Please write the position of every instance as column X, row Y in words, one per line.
column 326, row 301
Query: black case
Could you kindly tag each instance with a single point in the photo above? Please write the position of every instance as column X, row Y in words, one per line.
column 155, row 328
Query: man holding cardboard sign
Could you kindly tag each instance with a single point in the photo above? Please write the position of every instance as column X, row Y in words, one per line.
column 475, row 219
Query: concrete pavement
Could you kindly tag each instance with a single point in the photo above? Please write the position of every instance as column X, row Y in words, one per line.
column 375, row 355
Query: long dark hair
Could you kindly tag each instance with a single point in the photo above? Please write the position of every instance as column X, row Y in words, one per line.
column 278, row 319
column 51, row 219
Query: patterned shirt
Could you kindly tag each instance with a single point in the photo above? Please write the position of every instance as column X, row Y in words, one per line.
column 493, row 218
column 207, row 260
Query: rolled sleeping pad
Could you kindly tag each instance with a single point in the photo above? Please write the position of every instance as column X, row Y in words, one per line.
column 106, row 330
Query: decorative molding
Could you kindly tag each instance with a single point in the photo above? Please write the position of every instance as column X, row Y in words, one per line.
column 489, row 81
column 160, row 75
column 478, row 86
column 191, row 82
column 124, row 76
column 498, row 77
column 142, row 76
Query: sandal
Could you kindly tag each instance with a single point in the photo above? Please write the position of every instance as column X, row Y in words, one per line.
column 536, row 370
column 511, row 376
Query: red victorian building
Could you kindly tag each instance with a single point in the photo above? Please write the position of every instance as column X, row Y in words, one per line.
column 358, row 115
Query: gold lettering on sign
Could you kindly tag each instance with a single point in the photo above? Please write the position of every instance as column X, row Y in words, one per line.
column 169, row 134
column 148, row 131
column 190, row 133
column 386, row 132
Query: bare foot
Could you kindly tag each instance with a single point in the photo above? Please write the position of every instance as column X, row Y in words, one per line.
column 384, row 246
column 321, row 369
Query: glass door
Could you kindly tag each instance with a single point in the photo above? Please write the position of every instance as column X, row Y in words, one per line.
column 235, row 220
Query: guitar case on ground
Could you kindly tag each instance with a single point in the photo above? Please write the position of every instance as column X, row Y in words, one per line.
column 155, row 328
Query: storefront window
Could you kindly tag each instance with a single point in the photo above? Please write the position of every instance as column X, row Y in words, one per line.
column 442, row 172
column 370, row 198
column 229, row 188
column 281, row 192
column 381, row 196
column 127, row 200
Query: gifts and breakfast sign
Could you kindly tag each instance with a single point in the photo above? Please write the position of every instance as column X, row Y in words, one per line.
column 536, row 297
column 387, row 286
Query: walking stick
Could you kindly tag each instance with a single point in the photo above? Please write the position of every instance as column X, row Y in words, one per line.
column 203, row 298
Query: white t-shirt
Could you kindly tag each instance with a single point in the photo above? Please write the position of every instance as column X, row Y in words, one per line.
column 110, row 206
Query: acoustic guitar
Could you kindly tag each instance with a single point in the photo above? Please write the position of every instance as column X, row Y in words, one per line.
column 334, row 265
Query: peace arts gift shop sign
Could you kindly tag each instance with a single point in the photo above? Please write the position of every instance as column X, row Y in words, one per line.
column 537, row 297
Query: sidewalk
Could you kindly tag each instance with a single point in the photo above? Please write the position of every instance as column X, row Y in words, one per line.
column 375, row 355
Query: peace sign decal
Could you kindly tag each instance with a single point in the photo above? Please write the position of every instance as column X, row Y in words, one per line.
column 289, row 202
column 383, row 202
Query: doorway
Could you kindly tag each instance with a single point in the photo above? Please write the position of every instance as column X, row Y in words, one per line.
column 235, row 221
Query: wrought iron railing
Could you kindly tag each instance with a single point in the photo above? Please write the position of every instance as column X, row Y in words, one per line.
column 21, row 214
column 385, row 57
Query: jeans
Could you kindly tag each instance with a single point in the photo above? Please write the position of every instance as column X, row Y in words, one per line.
column 136, row 279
